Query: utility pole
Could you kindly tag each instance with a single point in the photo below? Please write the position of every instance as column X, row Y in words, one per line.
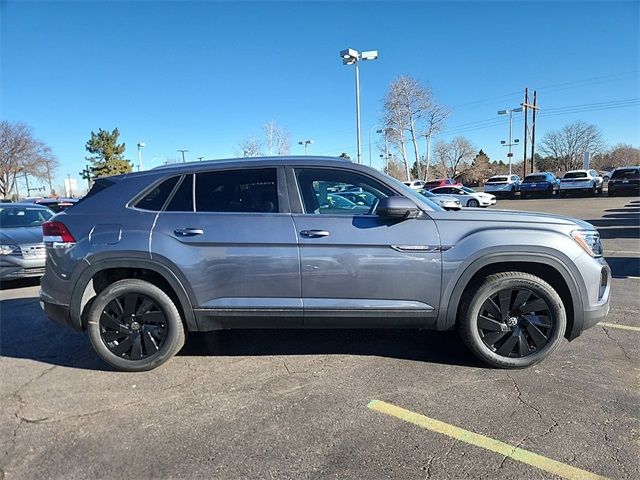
column 49, row 178
column 533, row 107
column 200, row 158
column 26, row 181
column 533, row 128
column 525, row 105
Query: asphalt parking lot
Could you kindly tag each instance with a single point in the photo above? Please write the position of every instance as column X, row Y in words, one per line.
column 314, row 404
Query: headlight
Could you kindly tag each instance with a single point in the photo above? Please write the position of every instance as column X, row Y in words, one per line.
column 7, row 249
column 589, row 240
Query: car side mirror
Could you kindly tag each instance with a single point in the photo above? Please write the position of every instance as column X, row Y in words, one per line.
column 397, row 207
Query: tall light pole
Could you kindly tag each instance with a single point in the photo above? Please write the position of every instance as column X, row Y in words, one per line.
column 305, row 143
column 200, row 158
column 183, row 152
column 140, row 145
column 510, row 144
column 353, row 57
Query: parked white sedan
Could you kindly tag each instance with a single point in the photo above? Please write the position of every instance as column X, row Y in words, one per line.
column 468, row 196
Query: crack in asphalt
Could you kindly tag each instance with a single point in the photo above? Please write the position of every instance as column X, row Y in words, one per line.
column 21, row 421
column 616, row 449
column 606, row 332
column 520, row 399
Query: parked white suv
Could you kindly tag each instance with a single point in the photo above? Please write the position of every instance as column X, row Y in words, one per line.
column 581, row 181
column 503, row 185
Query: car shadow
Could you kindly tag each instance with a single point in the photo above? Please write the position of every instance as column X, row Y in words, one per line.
column 26, row 333
column 619, row 222
column 622, row 267
column 19, row 283
column 423, row 346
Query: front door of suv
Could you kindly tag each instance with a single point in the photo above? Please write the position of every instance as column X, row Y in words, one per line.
column 357, row 268
column 232, row 237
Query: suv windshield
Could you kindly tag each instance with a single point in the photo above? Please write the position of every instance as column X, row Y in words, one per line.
column 16, row 217
column 626, row 173
column 575, row 175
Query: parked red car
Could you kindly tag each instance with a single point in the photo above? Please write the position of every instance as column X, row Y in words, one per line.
column 441, row 182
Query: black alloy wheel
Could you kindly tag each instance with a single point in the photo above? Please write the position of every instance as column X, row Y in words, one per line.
column 515, row 322
column 133, row 326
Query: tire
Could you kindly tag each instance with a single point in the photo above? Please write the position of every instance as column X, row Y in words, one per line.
column 134, row 326
column 561, row 194
column 512, row 194
column 549, row 192
column 594, row 190
column 473, row 203
column 491, row 338
column 611, row 192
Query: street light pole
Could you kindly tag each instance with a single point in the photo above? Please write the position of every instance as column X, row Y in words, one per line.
column 305, row 143
column 140, row 145
column 510, row 144
column 183, row 152
column 353, row 57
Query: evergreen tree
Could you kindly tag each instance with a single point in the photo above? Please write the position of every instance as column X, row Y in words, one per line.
column 108, row 155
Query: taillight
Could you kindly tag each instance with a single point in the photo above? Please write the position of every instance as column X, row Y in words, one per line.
column 56, row 232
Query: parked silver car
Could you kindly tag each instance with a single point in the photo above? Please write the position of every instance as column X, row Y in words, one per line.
column 22, row 251
column 258, row 243
column 445, row 201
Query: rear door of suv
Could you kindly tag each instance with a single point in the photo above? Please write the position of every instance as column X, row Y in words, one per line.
column 231, row 235
column 357, row 268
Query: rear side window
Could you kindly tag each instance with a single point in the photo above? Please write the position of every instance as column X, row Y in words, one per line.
column 155, row 199
column 182, row 200
column 626, row 173
column 497, row 179
column 241, row 191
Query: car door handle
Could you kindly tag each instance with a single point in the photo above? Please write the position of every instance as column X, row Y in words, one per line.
column 314, row 233
column 188, row 232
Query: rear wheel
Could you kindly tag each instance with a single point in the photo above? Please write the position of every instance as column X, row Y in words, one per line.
column 135, row 326
column 473, row 203
column 594, row 190
column 512, row 320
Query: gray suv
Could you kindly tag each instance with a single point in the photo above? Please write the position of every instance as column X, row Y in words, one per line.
column 271, row 243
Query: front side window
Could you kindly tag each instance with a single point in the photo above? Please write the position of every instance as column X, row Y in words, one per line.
column 325, row 191
column 240, row 191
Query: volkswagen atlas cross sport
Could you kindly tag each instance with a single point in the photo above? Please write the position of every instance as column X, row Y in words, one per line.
column 257, row 243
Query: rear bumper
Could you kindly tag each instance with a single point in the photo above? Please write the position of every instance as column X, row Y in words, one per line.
column 581, row 188
column 57, row 312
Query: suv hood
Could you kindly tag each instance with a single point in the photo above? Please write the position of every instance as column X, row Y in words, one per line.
column 504, row 218
column 21, row 235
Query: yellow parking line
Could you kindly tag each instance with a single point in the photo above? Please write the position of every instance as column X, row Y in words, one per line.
column 621, row 327
column 509, row 451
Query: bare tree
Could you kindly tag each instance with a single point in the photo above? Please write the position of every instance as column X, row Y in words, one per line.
column 435, row 118
column 619, row 155
column 22, row 154
column 568, row 145
column 410, row 107
column 277, row 139
column 455, row 156
column 250, row 147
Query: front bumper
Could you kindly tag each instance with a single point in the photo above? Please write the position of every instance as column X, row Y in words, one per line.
column 12, row 267
column 596, row 305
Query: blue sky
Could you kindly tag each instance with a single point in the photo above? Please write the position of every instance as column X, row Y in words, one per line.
column 204, row 75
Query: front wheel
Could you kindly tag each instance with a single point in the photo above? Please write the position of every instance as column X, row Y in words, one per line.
column 512, row 320
column 135, row 326
column 473, row 203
